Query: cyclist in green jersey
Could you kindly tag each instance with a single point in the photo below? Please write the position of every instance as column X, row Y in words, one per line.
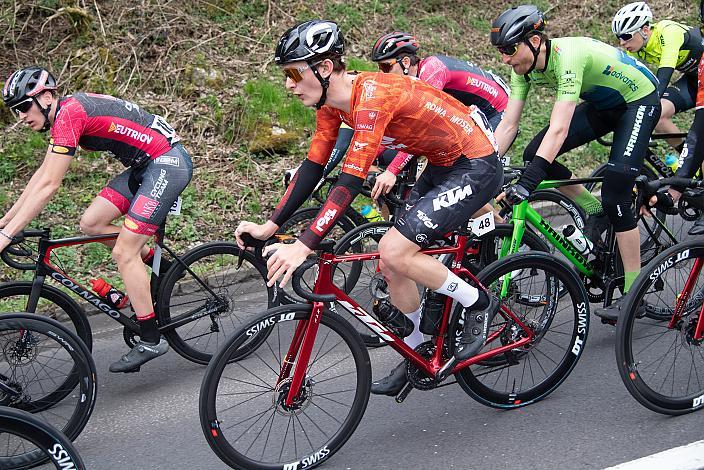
column 668, row 45
column 618, row 94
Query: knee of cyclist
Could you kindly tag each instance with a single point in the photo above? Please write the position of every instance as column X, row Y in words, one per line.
column 121, row 254
column 88, row 225
column 392, row 259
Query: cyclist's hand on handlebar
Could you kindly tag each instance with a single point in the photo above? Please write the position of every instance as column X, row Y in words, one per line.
column 514, row 194
column 383, row 184
column 259, row 231
column 284, row 260
column 662, row 200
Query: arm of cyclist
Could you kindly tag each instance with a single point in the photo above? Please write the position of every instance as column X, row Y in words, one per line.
column 692, row 154
column 387, row 180
column 536, row 171
column 354, row 170
column 51, row 175
column 300, row 188
column 664, row 75
column 342, row 143
column 28, row 190
column 508, row 127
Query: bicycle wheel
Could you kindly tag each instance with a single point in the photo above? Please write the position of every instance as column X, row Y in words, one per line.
column 53, row 303
column 51, row 374
column 212, row 300
column 296, row 225
column 663, row 367
column 549, row 298
column 242, row 404
column 20, row 430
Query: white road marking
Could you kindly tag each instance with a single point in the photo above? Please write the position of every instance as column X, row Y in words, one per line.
column 687, row 457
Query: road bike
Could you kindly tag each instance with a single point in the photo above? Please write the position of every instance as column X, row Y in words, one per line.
column 660, row 333
column 296, row 399
column 203, row 297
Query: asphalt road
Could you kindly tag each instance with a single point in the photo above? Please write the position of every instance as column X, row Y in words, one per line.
column 150, row 420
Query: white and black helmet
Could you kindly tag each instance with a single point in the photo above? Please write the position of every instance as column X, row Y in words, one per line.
column 631, row 18
column 309, row 41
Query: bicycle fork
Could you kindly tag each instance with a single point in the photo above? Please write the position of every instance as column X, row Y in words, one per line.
column 681, row 303
column 301, row 346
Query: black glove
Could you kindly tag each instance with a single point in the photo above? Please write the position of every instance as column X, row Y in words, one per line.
column 665, row 202
column 516, row 194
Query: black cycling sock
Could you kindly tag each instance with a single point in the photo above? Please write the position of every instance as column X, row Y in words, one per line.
column 482, row 301
column 150, row 332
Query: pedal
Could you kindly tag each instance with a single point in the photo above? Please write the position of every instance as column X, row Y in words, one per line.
column 608, row 322
column 404, row 393
column 445, row 370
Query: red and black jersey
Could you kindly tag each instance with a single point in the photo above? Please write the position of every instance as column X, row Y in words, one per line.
column 105, row 123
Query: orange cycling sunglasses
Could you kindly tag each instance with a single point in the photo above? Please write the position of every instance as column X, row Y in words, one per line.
column 296, row 73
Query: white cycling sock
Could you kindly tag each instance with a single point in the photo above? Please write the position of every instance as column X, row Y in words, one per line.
column 459, row 290
column 415, row 338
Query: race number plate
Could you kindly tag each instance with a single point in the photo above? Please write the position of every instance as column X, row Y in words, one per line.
column 176, row 207
column 483, row 224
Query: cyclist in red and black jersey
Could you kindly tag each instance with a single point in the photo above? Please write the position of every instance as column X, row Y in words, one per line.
column 400, row 113
column 397, row 53
column 159, row 169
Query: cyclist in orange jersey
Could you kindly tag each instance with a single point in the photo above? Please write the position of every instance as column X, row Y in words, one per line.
column 401, row 113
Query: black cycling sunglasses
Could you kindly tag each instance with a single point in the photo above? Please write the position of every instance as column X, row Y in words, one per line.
column 387, row 66
column 22, row 106
column 509, row 50
column 625, row 36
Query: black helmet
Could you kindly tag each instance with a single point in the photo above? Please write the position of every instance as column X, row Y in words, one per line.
column 311, row 40
column 516, row 24
column 27, row 83
column 393, row 44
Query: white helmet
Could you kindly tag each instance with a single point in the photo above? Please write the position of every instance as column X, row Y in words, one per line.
column 631, row 18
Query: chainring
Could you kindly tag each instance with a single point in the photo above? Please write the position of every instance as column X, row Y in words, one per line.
column 418, row 378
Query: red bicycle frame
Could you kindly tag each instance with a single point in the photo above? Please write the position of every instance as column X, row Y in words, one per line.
column 305, row 333
column 683, row 298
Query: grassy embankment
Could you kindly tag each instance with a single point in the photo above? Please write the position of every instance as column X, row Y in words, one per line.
column 207, row 67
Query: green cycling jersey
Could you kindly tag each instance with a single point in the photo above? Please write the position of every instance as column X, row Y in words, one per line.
column 580, row 67
column 673, row 45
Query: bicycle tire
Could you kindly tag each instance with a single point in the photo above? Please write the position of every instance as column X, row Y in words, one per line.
column 58, row 449
column 18, row 292
column 243, row 293
column 569, row 342
column 296, row 224
column 217, row 382
column 66, row 407
column 661, row 367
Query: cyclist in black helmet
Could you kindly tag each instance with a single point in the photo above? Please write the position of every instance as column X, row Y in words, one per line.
column 619, row 94
column 158, row 170
column 397, row 52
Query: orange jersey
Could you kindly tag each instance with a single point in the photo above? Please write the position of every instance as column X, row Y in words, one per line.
column 401, row 113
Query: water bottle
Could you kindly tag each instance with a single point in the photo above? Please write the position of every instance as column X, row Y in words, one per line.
column 116, row 297
column 432, row 312
column 392, row 318
column 371, row 214
column 577, row 238
column 672, row 160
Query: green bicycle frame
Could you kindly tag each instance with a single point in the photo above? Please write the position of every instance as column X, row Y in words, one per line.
column 523, row 213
